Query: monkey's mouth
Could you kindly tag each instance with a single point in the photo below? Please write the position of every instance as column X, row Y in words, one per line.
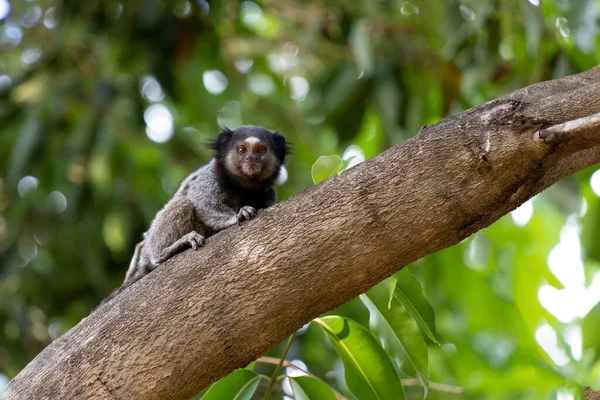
column 251, row 167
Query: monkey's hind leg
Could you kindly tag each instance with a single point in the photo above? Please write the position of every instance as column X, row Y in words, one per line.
column 173, row 230
column 192, row 239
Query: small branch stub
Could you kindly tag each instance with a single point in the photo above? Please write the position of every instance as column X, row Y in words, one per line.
column 589, row 125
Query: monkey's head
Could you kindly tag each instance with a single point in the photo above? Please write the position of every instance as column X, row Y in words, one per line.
column 251, row 156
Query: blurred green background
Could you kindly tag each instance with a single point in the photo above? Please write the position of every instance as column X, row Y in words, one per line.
column 105, row 107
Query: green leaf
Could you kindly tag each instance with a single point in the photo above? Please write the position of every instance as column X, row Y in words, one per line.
column 345, row 163
column 309, row 388
column 368, row 370
column 326, row 167
column 391, row 286
column 411, row 294
column 398, row 332
column 239, row 385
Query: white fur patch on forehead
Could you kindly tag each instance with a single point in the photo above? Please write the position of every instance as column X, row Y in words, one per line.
column 252, row 140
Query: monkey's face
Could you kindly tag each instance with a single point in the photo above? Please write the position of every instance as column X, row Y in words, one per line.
column 252, row 158
column 251, row 155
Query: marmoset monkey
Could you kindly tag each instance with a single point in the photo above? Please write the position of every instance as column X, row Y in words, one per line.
column 229, row 189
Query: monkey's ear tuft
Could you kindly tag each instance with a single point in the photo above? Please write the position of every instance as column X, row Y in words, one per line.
column 282, row 147
column 221, row 140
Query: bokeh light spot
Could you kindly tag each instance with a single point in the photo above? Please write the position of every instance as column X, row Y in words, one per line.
column 50, row 20
column 595, row 182
column 4, row 11
column 31, row 17
column 545, row 335
column 564, row 260
column 299, row 88
column 27, row 185
column 252, row 15
column 564, row 395
column 214, row 81
column 55, row 330
column 159, row 123
column 409, row 9
column 182, row 9
column 27, row 249
column 3, row 381
column 522, row 214
column 243, row 65
column 293, row 372
column 31, row 56
column 467, row 13
column 261, row 84
column 5, row 82
column 204, row 7
column 563, row 27
column 57, row 202
column 574, row 337
column 12, row 35
column 283, row 176
column 355, row 152
column 151, row 89
column 230, row 115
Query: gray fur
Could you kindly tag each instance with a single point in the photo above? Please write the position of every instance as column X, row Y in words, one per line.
column 229, row 189
column 196, row 211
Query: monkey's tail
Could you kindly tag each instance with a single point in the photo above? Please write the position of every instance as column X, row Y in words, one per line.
column 135, row 260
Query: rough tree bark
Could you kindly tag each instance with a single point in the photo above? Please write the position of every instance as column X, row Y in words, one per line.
column 206, row 313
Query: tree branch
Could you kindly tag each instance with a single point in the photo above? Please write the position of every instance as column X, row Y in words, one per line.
column 589, row 125
column 205, row 313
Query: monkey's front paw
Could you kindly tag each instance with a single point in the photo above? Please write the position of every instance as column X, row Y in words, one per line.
column 194, row 239
column 246, row 213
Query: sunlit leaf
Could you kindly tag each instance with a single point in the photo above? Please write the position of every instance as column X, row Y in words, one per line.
column 239, row 385
column 390, row 283
column 326, row 167
column 411, row 295
column 309, row 388
column 398, row 332
column 368, row 370
column 346, row 162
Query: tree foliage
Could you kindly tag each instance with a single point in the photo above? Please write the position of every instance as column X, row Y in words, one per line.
column 106, row 106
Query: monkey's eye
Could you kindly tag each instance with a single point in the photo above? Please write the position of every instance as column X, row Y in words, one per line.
column 242, row 149
column 261, row 150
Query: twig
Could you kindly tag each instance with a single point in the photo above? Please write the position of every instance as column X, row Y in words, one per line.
column 278, row 368
column 286, row 363
column 289, row 364
column 440, row 387
column 567, row 129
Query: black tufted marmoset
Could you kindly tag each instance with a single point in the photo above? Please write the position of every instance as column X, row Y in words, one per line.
column 236, row 183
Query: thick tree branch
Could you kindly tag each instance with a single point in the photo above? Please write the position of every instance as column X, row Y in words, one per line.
column 205, row 313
